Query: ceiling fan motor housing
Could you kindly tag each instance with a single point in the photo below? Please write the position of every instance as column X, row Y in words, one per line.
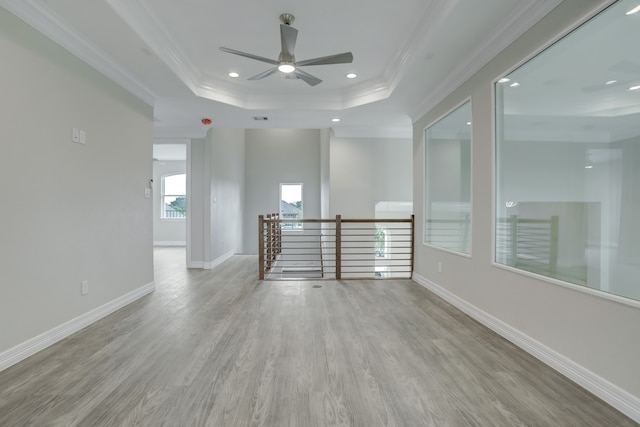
column 287, row 18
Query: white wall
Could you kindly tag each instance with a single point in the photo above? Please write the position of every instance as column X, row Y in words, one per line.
column 197, row 201
column 166, row 231
column 592, row 339
column 325, row 171
column 227, row 191
column 74, row 212
column 365, row 171
column 217, row 196
column 275, row 156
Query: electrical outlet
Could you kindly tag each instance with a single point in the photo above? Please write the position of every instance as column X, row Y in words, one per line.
column 439, row 267
column 75, row 135
column 84, row 288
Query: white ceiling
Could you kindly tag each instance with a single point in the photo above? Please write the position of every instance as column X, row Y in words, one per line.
column 408, row 54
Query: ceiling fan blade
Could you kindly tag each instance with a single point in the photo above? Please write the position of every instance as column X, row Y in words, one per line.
column 288, row 37
column 249, row 55
column 264, row 74
column 340, row 58
column 308, row 78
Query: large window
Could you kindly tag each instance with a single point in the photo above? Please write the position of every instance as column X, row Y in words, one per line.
column 174, row 199
column 568, row 157
column 448, row 181
column 291, row 205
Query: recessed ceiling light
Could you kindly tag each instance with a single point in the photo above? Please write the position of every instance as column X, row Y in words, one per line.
column 352, row 75
column 610, row 82
column 234, row 75
column 336, row 120
column 504, row 80
column 634, row 88
column 634, row 10
column 514, row 84
column 468, row 123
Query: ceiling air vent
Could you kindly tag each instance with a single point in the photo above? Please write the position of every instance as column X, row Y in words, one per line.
column 260, row 118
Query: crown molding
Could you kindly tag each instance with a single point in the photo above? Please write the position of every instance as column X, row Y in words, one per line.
column 433, row 13
column 140, row 18
column 513, row 27
column 381, row 88
column 40, row 17
column 373, row 132
column 143, row 22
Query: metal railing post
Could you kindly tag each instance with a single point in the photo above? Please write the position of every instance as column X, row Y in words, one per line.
column 338, row 247
column 413, row 230
column 553, row 243
column 513, row 222
column 261, row 247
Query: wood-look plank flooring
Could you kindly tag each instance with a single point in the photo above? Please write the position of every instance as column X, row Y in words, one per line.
column 220, row 348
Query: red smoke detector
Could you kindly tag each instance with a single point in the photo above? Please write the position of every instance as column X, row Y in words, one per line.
column 206, row 121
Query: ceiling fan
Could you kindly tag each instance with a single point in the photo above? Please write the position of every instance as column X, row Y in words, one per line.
column 286, row 62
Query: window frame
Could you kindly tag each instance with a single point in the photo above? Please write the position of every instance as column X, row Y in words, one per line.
column 496, row 127
column 426, row 189
column 294, row 227
column 163, row 195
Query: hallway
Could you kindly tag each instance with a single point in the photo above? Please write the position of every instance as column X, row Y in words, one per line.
column 219, row 348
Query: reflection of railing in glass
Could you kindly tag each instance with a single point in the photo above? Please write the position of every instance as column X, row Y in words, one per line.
column 528, row 244
column 450, row 234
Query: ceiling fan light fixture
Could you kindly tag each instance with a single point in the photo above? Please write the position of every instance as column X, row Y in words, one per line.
column 286, row 67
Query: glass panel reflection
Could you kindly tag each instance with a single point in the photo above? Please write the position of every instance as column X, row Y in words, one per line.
column 568, row 158
column 448, row 181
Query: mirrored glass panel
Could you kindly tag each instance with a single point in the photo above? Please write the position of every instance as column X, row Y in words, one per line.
column 448, row 181
column 568, row 157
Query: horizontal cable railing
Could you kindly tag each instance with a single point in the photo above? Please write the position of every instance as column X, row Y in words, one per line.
column 452, row 234
column 529, row 244
column 335, row 248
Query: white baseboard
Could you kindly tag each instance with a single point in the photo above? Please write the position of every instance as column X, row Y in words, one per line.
column 620, row 399
column 32, row 346
column 211, row 264
column 216, row 262
column 195, row 264
column 169, row 243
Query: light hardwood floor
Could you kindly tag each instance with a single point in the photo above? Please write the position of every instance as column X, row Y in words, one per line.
column 220, row 348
